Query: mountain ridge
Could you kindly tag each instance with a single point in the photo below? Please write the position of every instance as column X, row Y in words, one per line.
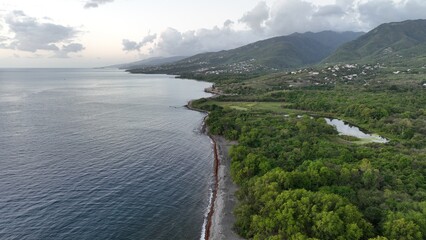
column 387, row 42
column 273, row 54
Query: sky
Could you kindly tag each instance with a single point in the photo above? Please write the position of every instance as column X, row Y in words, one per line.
column 94, row 33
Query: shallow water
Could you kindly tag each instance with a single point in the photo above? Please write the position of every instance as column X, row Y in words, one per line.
column 101, row 154
column 348, row 130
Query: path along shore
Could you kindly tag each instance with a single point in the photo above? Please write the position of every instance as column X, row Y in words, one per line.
column 220, row 219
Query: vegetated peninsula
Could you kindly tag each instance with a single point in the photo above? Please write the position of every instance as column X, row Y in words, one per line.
column 299, row 178
column 150, row 62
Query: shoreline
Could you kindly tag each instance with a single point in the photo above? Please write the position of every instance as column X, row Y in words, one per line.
column 223, row 218
column 220, row 218
column 210, row 214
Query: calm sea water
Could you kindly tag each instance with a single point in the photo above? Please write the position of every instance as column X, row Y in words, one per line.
column 101, row 154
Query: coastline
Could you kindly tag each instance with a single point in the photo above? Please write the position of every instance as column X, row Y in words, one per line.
column 223, row 219
column 220, row 218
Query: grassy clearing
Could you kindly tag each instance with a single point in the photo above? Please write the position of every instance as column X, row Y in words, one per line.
column 272, row 107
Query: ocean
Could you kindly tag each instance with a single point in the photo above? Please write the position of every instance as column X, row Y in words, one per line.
column 101, row 154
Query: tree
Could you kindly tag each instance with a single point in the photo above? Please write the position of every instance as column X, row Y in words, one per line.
column 402, row 229
column 311, row 214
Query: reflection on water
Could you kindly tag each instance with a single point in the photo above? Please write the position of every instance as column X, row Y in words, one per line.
column 348, row 130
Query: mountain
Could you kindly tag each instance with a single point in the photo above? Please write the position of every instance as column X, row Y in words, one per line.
column 387, row 42
column 149, row 62
column 292, row 51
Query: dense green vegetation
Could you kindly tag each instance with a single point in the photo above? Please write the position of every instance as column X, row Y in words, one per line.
column 300, row 180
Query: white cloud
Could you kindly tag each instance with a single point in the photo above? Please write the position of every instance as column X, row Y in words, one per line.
column 129, row 45
column 283, row 17
column 301, row 16
column 96, row 3
column 329, row 10
column 376, row 12
column 171, row 42
column 289, row 16
column 31, row 35
column 67, row 49
column 228, row 23
column 256, row 18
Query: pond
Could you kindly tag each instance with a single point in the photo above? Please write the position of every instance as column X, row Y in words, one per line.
column 348, row 130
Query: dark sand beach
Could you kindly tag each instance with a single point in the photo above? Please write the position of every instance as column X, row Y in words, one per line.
column 222, row 220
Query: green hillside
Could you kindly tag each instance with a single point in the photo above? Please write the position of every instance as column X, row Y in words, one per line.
column 272, row 54
column 390, row 42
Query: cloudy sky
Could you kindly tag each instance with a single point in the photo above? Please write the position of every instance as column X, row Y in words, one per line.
column 91, row 33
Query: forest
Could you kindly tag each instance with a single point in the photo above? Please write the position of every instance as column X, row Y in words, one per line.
column 299, row 179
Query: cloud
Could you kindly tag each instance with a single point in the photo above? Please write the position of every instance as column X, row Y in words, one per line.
column 228, row 23
column 96, row 3
column 256, row 17
column 172, row 42
column 300, row 16
column 282, row 17
column 31, row 35
column 329, row 10
column 70, row 48
column 288, row 16
column 129, row 45
column 148, row 39
column 376, row 12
